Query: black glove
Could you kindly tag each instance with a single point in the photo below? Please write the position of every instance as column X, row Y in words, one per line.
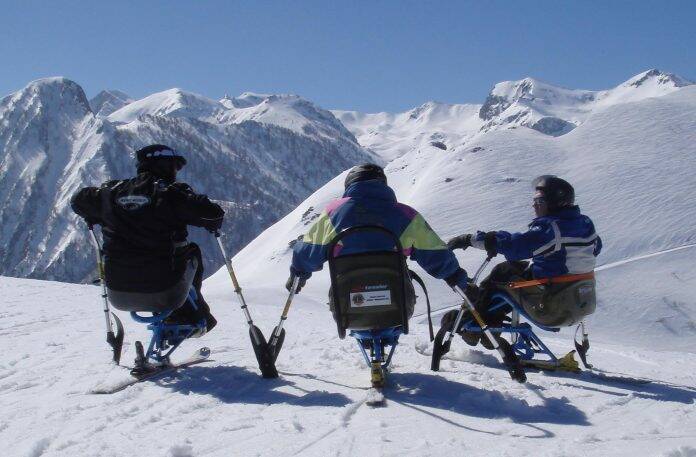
column 487, row 242
column 301, row 283
column 491, row 244
column 459, row 242
column 91, row 222
column 473, row 293
column 213, row 225
column 458, row 278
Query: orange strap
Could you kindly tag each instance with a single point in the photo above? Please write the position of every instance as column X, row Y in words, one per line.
column 554, row 280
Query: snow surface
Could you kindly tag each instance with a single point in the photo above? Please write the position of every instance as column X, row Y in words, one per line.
column 54, row 353
column 632, row 165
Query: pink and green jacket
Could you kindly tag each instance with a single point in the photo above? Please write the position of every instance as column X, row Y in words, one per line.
column 374, row 203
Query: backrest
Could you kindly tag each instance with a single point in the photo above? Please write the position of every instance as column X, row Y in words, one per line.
column 565, row 304
column 369, row 288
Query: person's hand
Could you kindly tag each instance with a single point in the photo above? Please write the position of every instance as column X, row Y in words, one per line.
column 459, row 242
column 300, row 284
column 458, row 278
column 487, row 242
column 214, row 225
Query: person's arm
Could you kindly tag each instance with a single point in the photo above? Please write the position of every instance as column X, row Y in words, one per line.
column 524, row 245
column 195, row 209
column 310, row 252
column 86, row 203
column 424, row 246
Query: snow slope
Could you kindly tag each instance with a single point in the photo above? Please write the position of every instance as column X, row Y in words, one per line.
column 54, row 353
column 631, row 166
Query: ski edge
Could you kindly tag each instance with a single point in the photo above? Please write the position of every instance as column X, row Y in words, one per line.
column 200, row 356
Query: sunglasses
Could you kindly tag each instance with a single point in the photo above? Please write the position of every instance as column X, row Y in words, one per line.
column 539, row 200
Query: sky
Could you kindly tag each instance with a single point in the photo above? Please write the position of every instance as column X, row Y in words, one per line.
column 356, row 55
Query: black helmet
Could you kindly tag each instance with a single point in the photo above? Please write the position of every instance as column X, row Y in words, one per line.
column 151, row 153
column 365, row 172
column 557, row 192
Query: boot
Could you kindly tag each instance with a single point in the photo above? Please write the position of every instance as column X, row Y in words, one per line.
column 448, row 319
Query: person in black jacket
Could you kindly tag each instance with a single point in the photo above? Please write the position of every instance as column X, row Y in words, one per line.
column 149, row 264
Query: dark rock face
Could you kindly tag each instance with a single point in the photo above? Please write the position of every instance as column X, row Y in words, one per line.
column 439, row 145
column 493, row 106
column 553, row 126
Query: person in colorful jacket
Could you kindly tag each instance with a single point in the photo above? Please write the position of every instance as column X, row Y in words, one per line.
column 368, row 200
column 561, row 243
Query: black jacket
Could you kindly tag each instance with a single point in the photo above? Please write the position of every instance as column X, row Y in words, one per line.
column 144, row 223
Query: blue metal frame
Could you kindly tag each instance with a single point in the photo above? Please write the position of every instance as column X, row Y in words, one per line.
column 378, row 338
column 526, row 343
column 167, row 337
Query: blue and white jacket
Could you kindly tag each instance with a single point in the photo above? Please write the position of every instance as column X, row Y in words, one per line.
column 561, row 243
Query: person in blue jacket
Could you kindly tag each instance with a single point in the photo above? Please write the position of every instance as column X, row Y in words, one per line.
column 368, row 200
column 561, row 243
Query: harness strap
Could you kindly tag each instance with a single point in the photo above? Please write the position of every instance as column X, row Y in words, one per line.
column 554, row 280
column 420, row 282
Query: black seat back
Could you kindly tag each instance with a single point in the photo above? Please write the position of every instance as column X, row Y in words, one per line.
column 369, row 289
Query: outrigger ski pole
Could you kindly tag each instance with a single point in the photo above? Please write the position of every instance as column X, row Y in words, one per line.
column 278, row 335
column 114, row 340
column 442, row 346
column 258, row 342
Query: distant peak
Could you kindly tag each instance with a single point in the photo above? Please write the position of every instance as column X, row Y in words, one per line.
column 58, row 84
column 108, row 101
column 659, row 77
column 58, row 91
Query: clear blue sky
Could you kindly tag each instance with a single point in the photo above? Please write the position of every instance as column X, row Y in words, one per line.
column 368, row 56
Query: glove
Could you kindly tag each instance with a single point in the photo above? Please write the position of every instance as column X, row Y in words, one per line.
column 300, row 284
column 213, row 225
column 91, row 222
column 459, row 242
column 458, row 278
column 472, row 292
column 487, row 242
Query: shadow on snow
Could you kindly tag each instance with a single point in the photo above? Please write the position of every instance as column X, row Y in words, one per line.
column 654, row 390
column 232, row 384
column 437, row 392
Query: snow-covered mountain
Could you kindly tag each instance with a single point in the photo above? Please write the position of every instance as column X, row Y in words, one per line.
column 549, row 109
column 108, row 101
column 631, row 164
column 52, row 143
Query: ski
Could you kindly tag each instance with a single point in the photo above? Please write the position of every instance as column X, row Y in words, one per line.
column 568, row 365
column 201, row 355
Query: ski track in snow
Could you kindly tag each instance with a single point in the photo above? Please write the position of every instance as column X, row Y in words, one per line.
column 316, row 407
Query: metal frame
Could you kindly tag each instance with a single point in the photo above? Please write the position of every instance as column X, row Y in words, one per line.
column 525, row 342
column 378, row 338
column 167, row 337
